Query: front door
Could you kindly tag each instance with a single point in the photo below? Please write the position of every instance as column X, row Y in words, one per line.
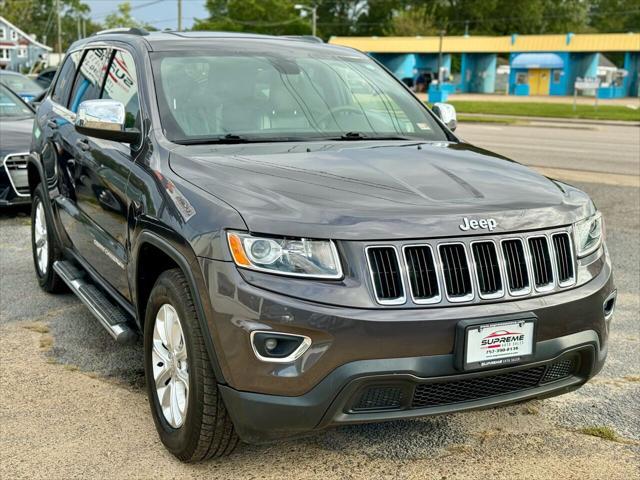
column 539, row 81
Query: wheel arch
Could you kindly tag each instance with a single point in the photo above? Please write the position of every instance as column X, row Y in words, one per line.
column 150, row 243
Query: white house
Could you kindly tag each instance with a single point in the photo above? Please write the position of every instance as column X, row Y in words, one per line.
column 19, row 51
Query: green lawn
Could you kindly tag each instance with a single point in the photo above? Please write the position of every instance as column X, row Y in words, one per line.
column 558, row 110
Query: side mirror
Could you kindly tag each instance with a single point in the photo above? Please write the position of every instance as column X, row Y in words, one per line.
column 104, row 119
column 447, row 113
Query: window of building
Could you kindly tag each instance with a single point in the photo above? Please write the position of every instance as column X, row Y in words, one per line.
column 122, row 85
column 22, row 52
column 14, row 35
column 4, row 54
column 65, row 78
column 522, row 78
column 557, row 75
column 3, row 33
column 90, row 77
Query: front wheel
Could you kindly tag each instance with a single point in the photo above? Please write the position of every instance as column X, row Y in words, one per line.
column 43, row 245
column 187, row 409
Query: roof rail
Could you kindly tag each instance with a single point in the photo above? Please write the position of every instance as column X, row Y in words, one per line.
column 304, row 38
column 130, row 31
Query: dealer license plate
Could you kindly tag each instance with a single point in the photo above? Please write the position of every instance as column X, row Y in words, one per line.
column 499, row 343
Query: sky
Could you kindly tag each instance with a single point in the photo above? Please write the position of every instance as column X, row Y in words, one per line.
column 159, row 13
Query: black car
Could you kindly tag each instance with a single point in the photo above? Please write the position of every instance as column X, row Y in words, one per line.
column 27, row 88
column 16, row 124
column 301, row 242
column 45, row 77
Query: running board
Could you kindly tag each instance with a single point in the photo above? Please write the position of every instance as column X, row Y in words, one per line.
column 113, row 318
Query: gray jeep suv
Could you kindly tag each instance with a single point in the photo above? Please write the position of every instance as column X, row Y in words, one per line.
column 301, row 243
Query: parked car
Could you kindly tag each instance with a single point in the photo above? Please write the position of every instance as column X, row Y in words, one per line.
column 16, row 124
column 27, row 88
column 296, row 254
column 45, row 77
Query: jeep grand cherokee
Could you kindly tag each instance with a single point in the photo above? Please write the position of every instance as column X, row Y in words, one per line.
column 301, row 242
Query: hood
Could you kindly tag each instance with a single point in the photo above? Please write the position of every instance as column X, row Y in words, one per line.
column 15, row 135
column 375, row 191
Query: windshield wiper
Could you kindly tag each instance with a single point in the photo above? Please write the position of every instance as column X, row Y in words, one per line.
column 229, row 138
column 362, row 136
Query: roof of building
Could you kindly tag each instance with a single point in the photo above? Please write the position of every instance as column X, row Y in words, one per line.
column 596, row 42
column 25, row 35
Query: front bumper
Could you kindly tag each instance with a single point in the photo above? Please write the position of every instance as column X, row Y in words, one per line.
column 399, row 352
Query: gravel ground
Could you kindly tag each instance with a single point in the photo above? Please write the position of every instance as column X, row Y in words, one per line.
column 71, row 402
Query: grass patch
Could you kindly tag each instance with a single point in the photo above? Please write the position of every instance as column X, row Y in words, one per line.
column 46, row 342
column 37, row 327
column 606, row 433
column 555, row 110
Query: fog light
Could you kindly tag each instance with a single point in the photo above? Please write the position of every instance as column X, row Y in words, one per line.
column 278, row 347
column 270, row 344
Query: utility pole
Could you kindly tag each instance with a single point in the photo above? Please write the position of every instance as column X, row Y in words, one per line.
column 466, row 28
column 440, row 56
column 59, row 26
column 79, row 30
column 179, row 15
column 314, row 15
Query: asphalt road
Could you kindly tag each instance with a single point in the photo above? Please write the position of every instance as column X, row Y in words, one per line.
column 583, row 147
column 71, row 402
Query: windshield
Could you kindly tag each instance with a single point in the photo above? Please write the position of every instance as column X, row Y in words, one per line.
column 20, row 83
column 293, row 95
column 12, row 106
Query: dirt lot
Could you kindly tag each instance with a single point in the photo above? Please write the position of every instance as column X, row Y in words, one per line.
column 72, row 403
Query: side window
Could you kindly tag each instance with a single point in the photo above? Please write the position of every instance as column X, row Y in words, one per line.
column 65, row 78
column 90, row 77
column 122, row 85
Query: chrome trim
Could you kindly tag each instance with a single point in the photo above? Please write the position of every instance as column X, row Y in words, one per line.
column 500, row 293
column 438, row 268
column 4, row 164
column 292, row 357
column 472, row 271
column 547, row 287
column 527, row 261
column 574, row 277
column 397, row 301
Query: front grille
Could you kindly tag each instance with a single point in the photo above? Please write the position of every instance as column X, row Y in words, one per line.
column 380, row 398
column 16, row 167
column 541, row 262
column 485, row 259
column 443, row 271
column 564, row 258
column 386, row 275
column 423, row 278
column 515, row 265
column 455, row 269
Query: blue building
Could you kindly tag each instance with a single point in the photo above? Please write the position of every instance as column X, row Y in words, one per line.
column 19, row 51
column 538, row 64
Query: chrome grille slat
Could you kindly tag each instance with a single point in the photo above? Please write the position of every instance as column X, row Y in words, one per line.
column 564, row 258
column 386, row 276
column 516, row 264
column 541, row 262
column 456, row 271
column 422, row 271
column 487, row 266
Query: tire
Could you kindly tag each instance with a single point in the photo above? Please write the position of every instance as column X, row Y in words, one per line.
column 204, row 429
column 43, row 245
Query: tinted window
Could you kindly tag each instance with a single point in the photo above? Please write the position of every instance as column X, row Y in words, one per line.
column 65, row 79
column 11, row 105
column 296, row 94
column 122, row 85
column 90, row 77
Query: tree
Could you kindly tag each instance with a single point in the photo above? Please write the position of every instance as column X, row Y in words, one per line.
column 412, row 21
column 124, row 19
column 275, row 17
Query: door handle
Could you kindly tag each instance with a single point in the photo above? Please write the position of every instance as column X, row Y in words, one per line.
column 83, row 144
column 52, row 124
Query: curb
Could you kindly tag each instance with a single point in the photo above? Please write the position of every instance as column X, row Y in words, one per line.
column 578, row 121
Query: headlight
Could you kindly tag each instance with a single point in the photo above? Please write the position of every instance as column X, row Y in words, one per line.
column 589, row 234
column 301, row 257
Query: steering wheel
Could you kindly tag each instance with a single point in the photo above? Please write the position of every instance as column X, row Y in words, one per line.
column 341, row 110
